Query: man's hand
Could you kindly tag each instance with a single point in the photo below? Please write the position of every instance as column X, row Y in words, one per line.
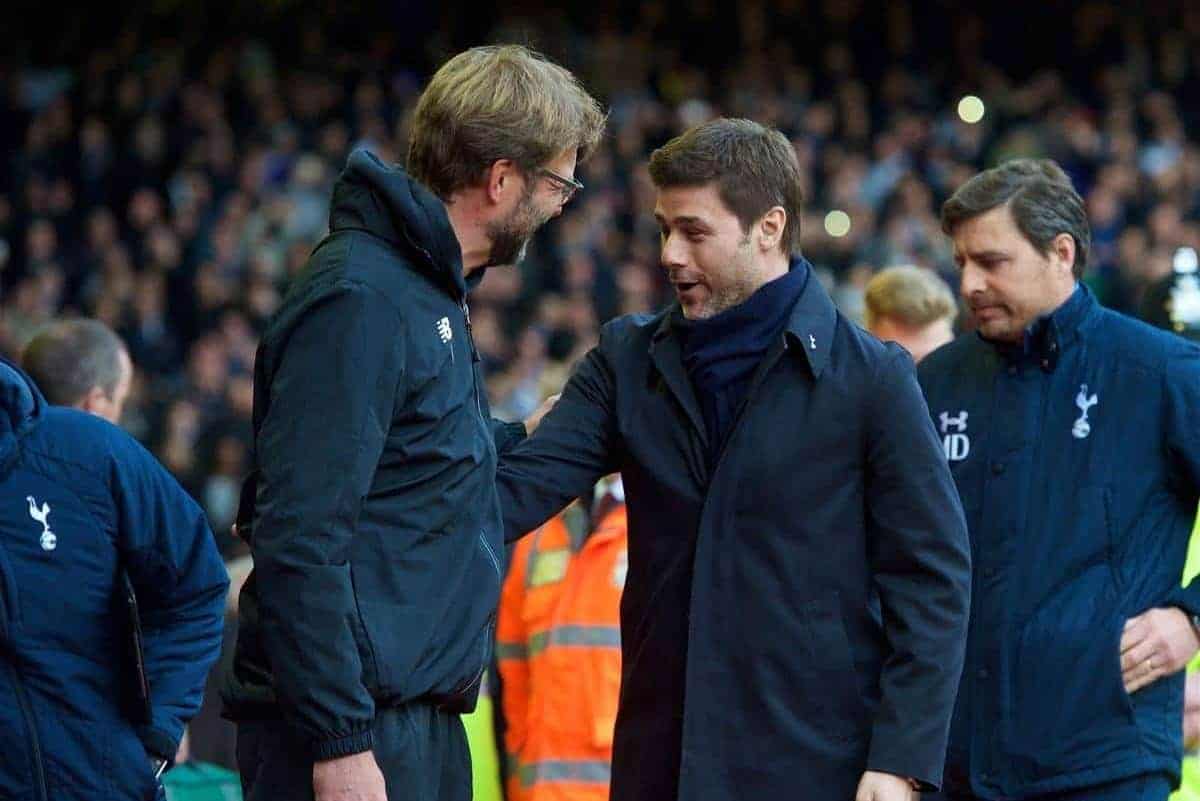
column 1155, row 644
column 535, row 419
column 350, row 778
column 1191, row 712
column 884, row 787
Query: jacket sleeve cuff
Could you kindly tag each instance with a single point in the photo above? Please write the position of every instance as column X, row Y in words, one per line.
column 1185, row 598
column 342, row 746
column 926, row 778
column 158, row 743
column 508, row 435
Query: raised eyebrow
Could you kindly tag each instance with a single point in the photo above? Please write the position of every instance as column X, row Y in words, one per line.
column 984, row 255
column 684, row 220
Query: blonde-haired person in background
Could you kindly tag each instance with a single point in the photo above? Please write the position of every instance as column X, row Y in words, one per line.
column 912, row 307
column 374, row 520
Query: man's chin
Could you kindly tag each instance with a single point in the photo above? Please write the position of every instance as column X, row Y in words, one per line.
column 508, row 259
column 1000, row 331
column 695, row 303
column 695, row 311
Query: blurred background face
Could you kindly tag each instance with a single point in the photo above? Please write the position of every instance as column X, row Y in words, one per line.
column 708, row 257
column 919, row 341
column 1006, row 283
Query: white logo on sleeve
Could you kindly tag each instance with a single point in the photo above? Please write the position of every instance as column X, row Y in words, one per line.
column 42, row 515
column 957, row 445
column 1082, row 428
column 444, row 330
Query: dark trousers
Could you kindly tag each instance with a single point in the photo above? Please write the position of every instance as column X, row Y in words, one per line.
column 1150, row 787
column 421, row 751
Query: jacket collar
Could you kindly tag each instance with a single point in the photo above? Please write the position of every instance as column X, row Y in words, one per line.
column 1046, row 338
column 385, row 201
column 810, row 326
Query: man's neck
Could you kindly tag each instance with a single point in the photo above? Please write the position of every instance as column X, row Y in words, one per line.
column 776, row 266
column 1058, row 300
column 470, row 232
column 773, row 268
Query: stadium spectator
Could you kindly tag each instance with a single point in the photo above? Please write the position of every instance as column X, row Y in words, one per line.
column 912, row 307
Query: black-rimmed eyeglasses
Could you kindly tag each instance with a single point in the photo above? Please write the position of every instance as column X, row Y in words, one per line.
column 567, row 187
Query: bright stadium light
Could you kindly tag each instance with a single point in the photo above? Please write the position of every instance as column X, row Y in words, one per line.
column 837, row 223
column 970, row 109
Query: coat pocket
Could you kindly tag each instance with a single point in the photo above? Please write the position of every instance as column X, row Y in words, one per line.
column 396, row 590
column 1068, row 708
column 831, row 660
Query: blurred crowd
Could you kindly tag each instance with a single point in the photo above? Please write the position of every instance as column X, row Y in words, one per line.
column 172, row 185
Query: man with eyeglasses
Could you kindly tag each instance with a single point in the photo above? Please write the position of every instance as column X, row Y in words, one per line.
column 567, row 187
column 373, row 516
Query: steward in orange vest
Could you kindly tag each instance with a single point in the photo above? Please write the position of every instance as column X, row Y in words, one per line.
column 559, row 652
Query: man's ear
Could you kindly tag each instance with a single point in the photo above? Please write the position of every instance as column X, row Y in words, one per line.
column 96, row 401
column 501, row 179
column 770, row 229
column 1063, row 252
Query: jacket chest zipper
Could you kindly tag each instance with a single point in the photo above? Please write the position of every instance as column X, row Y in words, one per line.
column 462, row 303
column 39, row 769
column 475, row 358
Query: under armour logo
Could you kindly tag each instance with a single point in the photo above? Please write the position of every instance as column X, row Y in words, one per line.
column 444, row 330
column 958, row 423
column 42, row 515
column 956, row 445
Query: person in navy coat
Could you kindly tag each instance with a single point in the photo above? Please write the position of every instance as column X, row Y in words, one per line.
column 82, row 505
column 795, row 607
column 1073, row 436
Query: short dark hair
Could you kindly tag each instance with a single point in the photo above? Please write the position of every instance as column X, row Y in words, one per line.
column 754, row 167
column 70, row 358
column 1040, row 196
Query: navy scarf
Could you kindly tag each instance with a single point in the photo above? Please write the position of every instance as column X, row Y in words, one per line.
column 722, row 352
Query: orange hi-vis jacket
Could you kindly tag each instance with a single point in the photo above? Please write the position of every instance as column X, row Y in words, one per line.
column 559, row 651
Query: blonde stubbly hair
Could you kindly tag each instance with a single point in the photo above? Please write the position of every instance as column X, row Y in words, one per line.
column 498, row 102
column 911, row 296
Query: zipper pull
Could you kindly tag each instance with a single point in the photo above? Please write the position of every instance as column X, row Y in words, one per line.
column 466, row 310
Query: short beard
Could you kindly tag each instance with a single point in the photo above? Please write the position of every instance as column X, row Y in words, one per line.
column 510, row 236
column 741, row 288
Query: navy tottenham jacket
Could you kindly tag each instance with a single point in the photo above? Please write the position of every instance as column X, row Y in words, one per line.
column 795, row 612
column 1078, row 461
column 80, row 500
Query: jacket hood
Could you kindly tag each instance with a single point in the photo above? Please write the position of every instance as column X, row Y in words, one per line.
column 21, row 404
column 385, row 201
